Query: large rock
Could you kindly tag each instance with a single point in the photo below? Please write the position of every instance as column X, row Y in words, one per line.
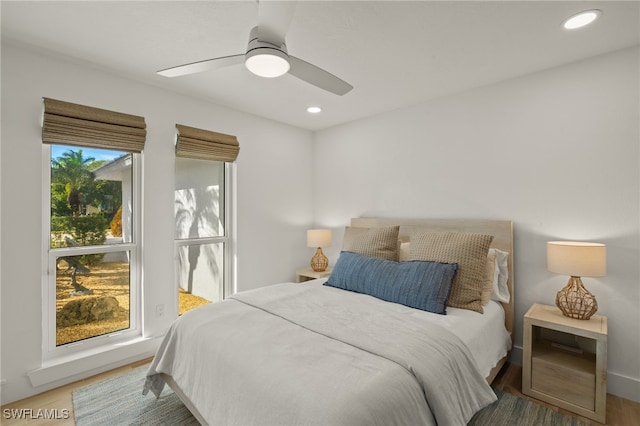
column 82, row 311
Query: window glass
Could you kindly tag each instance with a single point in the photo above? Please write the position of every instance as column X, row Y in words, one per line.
column 91, row 246
column 201, row 242
column 199, row 270
column 199, row 198
column 91, row 192
column 92, row 295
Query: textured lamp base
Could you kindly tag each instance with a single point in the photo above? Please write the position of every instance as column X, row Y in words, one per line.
column 319, row 261
column 575, row 301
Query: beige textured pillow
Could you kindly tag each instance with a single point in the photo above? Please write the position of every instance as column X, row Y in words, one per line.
column 373, row 242
column 489, row 276
column 468, row 250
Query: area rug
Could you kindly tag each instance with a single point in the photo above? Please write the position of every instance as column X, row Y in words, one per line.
column 119, row 401
column 509, row 410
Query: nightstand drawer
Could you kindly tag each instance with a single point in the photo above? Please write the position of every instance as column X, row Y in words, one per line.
column 570, row 377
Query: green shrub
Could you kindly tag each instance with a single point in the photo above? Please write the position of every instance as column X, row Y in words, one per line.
column 84, row 230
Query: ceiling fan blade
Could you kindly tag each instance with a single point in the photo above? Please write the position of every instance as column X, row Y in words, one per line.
column 318, row 77
column 201, row 66
column 274, row 18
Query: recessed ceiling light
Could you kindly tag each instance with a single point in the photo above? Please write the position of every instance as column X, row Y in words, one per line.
column 314, row 109
column 581, row 19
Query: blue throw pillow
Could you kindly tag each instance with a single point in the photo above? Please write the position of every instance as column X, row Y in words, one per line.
column 417, row 284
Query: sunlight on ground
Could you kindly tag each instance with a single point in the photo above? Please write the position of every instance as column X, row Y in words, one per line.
column 105, row 279
column 189, row 301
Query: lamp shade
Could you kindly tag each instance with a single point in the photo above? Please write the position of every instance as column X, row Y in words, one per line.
column 577, row 259
column 318, row 238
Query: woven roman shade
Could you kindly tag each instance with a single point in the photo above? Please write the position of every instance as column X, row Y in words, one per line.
column 72, row 124
column 206, row 145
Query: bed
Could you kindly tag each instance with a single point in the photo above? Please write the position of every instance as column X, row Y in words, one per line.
column 323, row 353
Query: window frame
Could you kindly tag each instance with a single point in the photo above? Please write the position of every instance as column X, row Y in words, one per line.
column 49, row 349
column 227, row 240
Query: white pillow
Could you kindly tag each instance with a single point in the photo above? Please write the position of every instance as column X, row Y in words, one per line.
column 500, row 289
column 403, row 253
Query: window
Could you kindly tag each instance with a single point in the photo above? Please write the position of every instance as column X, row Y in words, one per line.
column 203, row 171
column 92, row 248
column 91, row 278
column 201, row 231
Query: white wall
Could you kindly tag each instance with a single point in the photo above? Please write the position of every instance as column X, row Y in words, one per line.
column 556, row 152
column 273, row 198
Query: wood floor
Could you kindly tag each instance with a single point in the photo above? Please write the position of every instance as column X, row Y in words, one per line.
column 59, row 400
column 620, row 411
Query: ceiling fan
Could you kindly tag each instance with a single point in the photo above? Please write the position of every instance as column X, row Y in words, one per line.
column 266, row 53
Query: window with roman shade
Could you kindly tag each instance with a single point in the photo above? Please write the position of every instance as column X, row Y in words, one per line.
column 93, row 224
column 67, row 123
column 206, row 145
column 203, row 215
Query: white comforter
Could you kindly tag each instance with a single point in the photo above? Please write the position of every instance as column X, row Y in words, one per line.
column 311, row 354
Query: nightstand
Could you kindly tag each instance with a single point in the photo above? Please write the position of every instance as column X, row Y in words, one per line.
column 309, row 274
column 565, row 361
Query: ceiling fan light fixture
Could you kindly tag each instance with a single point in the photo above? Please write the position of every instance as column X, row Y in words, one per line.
column 267, row 62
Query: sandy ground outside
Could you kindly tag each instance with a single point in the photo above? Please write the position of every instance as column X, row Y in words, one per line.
column 105, row 279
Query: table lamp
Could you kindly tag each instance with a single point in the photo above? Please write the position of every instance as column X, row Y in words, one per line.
column 319, row 238
column 577, row 259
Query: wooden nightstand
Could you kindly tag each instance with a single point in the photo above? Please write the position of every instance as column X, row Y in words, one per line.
column 565, row 361
column 309, row 274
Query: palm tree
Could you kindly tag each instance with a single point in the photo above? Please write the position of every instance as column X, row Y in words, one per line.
column 72, row 170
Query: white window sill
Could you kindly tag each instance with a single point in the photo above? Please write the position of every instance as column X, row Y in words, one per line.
column 81, row 365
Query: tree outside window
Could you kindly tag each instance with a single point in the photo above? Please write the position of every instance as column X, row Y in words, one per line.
column 89, row 188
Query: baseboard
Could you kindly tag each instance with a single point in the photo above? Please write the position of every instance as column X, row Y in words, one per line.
column 91, row 363
column 516, row 355
column 53, row 375
column 623, row 386
column 617, row 384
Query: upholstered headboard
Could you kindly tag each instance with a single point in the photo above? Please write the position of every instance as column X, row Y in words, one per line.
column 502, row 231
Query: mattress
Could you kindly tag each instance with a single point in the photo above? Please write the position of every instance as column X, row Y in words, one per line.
column 484, row 334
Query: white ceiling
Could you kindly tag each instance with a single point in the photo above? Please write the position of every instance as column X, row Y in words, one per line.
column 394, row 53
